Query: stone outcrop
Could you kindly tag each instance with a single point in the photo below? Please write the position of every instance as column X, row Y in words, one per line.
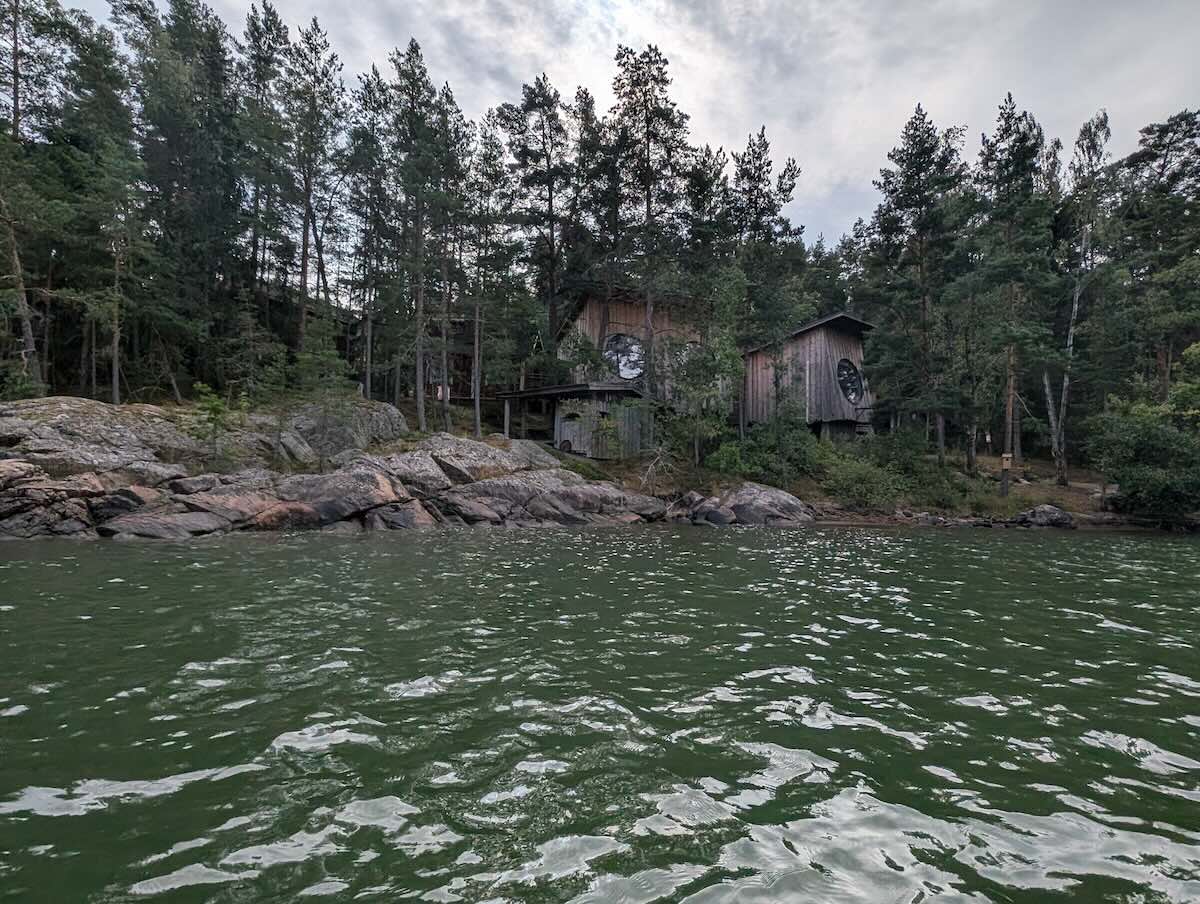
column 546, row 497
column 32, row 504
column 329, row 429
column 151, row 445
column 447, row 480
column 119, row 444
column 466, row 461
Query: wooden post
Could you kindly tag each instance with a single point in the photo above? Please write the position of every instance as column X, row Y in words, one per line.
column 1006, row 461
column 507, row 418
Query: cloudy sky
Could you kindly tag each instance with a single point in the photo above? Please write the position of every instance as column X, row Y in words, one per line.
column 832, row 80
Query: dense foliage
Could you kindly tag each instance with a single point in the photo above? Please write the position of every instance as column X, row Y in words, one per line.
column 179, row 207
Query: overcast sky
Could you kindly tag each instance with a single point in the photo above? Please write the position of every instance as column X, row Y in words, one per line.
column 832, row 80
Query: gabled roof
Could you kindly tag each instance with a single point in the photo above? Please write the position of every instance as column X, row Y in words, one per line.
column 848, row 322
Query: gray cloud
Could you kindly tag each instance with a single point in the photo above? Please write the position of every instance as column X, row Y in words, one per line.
column 832, row 82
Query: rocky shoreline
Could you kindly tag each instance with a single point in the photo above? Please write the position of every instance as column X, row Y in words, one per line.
column 78, row 468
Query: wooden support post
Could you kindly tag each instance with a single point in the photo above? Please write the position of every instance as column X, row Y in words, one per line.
column 507, row 419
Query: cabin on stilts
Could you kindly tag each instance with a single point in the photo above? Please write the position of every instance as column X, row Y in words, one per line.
column 816, row 373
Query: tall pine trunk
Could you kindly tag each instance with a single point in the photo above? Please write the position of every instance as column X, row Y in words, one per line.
column 369, row 364
column 477, row 368
column 15, row 58
column 1057, row 413
column 29, row 358
column 306, row 220
column 419, row 313
column 115, row 352
column 445, row 349
column 1010, row 393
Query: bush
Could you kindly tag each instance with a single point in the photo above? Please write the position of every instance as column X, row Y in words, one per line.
column 778, row 453
column 861, row 484
column 905, row 451
column 1155, row 462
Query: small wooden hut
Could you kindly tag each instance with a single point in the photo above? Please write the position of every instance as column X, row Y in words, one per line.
column 816, row 372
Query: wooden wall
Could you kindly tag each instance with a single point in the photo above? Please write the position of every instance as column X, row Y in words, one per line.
column 808, row 378
column 597, row 321
column 579, row 421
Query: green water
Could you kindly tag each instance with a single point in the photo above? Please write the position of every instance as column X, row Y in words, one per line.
column 604, row 716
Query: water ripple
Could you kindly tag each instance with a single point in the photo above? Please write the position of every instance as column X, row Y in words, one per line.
column 604, row 716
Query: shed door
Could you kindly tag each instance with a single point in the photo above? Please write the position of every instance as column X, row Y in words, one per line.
column 575, row 435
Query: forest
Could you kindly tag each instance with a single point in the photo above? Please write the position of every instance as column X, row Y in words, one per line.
column 191, row 211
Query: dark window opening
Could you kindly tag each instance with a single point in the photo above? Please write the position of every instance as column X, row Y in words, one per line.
column 850, row 381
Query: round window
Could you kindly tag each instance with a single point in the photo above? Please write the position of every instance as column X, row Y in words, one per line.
column 624, row 353
column 850, row 380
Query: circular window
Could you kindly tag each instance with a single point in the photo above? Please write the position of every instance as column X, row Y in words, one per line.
column 624, row 353
column 850, row 380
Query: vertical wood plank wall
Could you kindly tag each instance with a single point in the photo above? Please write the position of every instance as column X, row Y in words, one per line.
column 808, row 379
column 596, row 324
column 584, row 433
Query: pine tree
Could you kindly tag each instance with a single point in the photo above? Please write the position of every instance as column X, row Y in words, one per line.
column 369, row 166
column 915, row 241
column 1016, row 246
column 538, row 143
column 266, row 48
column 416, row 150
column 316, row 110
column 658, row 135
column 1083, row 213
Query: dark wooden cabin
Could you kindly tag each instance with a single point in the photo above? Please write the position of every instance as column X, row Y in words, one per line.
column 596, row 413
column 817, row 372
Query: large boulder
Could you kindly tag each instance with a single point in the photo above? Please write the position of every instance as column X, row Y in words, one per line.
column 467, row 460
column 164, row 525
column 1044, row 516
column 342, row 494
column 753, row 503
column 410, row 515
column 416, row 470
column 236, row 504
column 333, row 427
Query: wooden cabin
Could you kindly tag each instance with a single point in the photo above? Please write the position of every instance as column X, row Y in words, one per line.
column 597, row 414
column 816, row 372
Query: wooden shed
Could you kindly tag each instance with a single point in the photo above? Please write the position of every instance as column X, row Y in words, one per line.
column 599, row 420
column 816, row 371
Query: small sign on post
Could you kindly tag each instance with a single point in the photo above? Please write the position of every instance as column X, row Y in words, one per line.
column 1006, row 461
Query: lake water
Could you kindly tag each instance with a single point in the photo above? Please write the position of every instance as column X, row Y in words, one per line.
column 604, row 716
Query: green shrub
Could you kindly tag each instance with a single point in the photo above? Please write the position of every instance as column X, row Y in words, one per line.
column 727, row 459
column 778, row 453
column 905, row 451
column 1155, row 462
column 861, row 484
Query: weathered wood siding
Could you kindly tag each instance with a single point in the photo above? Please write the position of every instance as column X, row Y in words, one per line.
column 597, row 321
column 807, row 378
column 581, row 422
